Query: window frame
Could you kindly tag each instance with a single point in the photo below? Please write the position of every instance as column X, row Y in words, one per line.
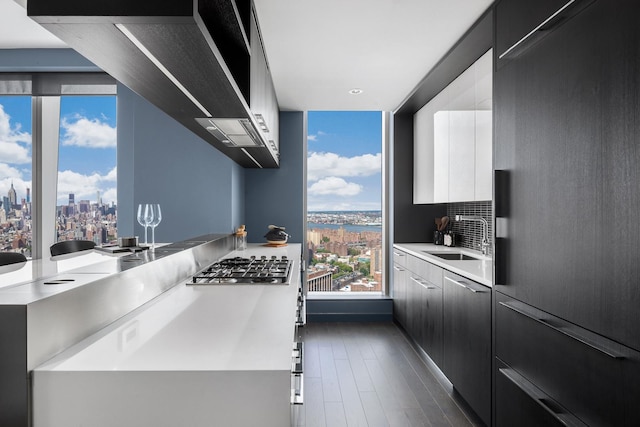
column 46, row 90
column 387, row 219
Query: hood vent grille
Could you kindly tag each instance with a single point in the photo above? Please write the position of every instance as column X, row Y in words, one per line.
column 232, row 132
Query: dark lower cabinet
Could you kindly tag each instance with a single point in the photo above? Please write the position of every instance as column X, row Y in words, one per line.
column 522, row 404
column 417, row 302
column 467, row 341
column 424, row 311
column 449, row 317
column 400, row 294
column 580, row 374
column 430, row 335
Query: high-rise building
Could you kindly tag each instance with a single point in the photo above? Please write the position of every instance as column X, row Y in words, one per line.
column 13, row 196
column 72, row 205
column 376, row 260
column 28, row 195
column 85, row 206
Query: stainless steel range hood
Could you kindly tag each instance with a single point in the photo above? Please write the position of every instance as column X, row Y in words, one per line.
column 232, row 132
column 194, row 60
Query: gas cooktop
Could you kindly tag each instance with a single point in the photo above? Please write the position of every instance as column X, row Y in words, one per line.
column 261, row 270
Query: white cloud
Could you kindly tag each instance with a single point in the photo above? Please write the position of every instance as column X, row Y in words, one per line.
column 11, row 152
column 315, row 137
column 7, row 172
column 321, row 165
column 13, row 141
column 109, row 195
column 91, row 133
column 335, row 186
column 85, row 187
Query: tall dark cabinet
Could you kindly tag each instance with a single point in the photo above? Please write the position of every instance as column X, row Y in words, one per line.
column 567, row 148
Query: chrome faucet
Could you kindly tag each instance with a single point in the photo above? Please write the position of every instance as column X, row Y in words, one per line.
column 485, row 230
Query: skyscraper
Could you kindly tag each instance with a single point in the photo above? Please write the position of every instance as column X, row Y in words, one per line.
column 72, row 204
column 28, row 195
column 13, row 197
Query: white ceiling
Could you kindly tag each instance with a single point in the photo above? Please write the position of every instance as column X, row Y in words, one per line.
column 18, row 31
column 319, row 50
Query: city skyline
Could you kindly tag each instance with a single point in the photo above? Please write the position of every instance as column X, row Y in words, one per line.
column 87, row 148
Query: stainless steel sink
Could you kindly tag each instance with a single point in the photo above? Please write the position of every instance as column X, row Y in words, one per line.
column 453, row 256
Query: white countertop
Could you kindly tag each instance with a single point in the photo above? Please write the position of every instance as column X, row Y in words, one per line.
column 32, row 270
column 480, row 271
column 242, row 327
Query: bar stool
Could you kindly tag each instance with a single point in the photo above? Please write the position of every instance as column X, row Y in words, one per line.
column 69, row 246
column 7, row 258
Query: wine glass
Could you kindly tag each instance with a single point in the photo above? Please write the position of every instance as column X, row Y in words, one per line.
column 156, row 217
column 142, row 219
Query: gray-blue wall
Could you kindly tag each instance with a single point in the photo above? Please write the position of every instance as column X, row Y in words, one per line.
column 276, row 196
column 44, row 60
column 200, row 190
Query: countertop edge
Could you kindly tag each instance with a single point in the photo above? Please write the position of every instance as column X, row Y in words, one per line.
column 463, row 268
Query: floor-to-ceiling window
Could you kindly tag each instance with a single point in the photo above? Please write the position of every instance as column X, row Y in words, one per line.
column 57, row 141
column 86, row 205
column 344, row 202
column 15, row 174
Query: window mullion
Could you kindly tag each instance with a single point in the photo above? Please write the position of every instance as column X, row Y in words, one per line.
column 46, row 129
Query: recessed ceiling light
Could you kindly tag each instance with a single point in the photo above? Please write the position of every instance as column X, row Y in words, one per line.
column 356, row 91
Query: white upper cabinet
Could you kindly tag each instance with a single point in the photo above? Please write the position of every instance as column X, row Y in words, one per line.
column 453, row 140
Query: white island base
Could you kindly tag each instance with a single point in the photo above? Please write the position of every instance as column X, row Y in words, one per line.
column 160, row 398
column 216, row 355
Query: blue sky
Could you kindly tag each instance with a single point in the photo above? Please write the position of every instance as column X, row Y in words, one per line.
column 87, row 150
column 344, row 164
column 344, row 153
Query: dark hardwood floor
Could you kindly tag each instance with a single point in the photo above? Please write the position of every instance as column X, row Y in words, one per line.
column 368, row 374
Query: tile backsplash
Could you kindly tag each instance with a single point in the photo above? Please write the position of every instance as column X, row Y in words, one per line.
column 469, row 233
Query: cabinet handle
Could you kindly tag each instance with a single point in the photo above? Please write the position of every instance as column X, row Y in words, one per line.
column 398, row 253
column 464, row 285
column 570, row 9
column 297, row 393
column 396, row 268
column 563, row 327
column 297, row 353
column 541, row 398
column 421, row 283
column 502, row 192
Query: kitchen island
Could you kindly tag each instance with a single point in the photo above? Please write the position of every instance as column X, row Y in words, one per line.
column 196, row 355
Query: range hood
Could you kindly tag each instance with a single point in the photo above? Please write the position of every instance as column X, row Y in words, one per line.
column 191, row 59
column 232, row 132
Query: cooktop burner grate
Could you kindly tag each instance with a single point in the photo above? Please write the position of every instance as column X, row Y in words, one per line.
column 252, row 270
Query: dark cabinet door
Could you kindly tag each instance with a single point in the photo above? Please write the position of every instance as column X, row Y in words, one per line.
column 576, row 371
column 400, row 294
column 430, row 338
column 414, row 306
column 566, row 130
column 467, row 341
column 516, row 19
column 520, row 403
